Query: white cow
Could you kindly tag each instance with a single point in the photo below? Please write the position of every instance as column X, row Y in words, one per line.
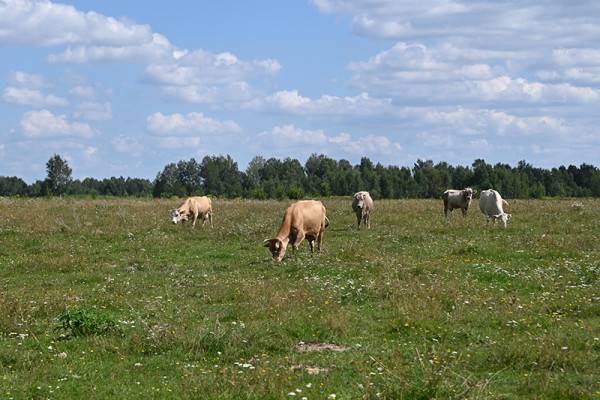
column 362, row 204
column 491, row 205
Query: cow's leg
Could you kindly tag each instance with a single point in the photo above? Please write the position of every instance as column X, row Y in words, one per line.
column 311, row 244
column 298, row 239
column 210, row 218
column 464, row 212
column 358, row 218
column 195, row 218
column 367, row 221
column 320, row 239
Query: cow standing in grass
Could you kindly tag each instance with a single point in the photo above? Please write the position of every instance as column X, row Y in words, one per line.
column 303, row 219
column 193, row 207
column 362, row 204
column 457, row 199
column 491, row 205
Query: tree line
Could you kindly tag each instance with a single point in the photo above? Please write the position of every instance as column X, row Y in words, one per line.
column 320, row 175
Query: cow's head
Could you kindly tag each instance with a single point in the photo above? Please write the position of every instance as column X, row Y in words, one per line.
column 468, row 193
column 504, row 217
column 177, row 216
column 276, row 247
column 359, row 200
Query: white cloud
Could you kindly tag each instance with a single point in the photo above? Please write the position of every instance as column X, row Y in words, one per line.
column 493, row 24
column 33, row 98
column 370, row 144
column 287, row 135
column 93, row 111
column 196, row 76
column 204, row 77
column 44, row 23
column 23, row 79
column 292, row 136
column 418, row 73
column 43, row 123
column 193, row 123
column 158, row 48
column 83, row 91
column 128, row 145
column 90, row 151
column 291, row 101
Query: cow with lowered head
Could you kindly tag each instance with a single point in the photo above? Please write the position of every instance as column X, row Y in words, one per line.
column 303, row 219
column 492, row 205
column 193, row 208
column 457, row 199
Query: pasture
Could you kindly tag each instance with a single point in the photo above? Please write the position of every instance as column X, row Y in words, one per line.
column 108, row 299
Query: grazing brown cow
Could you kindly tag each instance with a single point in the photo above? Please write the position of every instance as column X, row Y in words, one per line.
column 362, row 204
column 193, row 207
column 303, row 219
column 457, row 199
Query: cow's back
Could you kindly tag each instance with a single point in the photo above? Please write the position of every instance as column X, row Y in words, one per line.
column 490, row 202
column 308, row 215
column 200, row 203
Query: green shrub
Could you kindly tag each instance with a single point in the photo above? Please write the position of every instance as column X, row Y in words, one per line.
column 85, row 322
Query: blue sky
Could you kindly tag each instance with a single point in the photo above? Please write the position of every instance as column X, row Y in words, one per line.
column 121, row 89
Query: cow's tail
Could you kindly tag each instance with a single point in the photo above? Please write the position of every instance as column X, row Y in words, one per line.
column 326, row 222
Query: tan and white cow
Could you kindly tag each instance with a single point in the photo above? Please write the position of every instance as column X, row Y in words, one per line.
column 457, row 199
column 193, row 208
column 362, row 204
column 303, row 219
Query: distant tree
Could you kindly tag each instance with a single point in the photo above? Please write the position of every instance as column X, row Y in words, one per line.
column 189, row 175
column 167, row 183
column 59, row 175
column 12, row 186
column 221, row 176
column 253, row 172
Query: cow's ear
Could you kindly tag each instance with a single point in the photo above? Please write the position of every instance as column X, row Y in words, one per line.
column 266, row 242
column 508, row 216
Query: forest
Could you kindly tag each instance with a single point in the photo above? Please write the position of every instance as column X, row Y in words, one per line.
column 320, row 176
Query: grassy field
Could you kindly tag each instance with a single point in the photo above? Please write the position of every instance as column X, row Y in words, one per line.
column 108, row 299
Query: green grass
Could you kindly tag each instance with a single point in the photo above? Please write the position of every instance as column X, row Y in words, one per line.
column 429, row 308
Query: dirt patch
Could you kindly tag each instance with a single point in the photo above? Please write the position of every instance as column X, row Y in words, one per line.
column 316, row 346
column 311, row 370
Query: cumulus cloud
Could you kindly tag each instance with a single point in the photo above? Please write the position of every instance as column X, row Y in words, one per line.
column 196, row 75
column 414, row 71
column 204, row 77
column 290, row 136
column 93, row 111
column 44, row 23
column 370, row 144
column 286, row 135
column 83, row 91
column 158, row 48
column 474, row 22
column 193, row 123
column 128, row 145
column 33, row 98
column 292, row 102
column 26, row 80
column 43, row 124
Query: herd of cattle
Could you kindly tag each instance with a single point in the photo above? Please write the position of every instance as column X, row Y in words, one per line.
column 307, row 219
